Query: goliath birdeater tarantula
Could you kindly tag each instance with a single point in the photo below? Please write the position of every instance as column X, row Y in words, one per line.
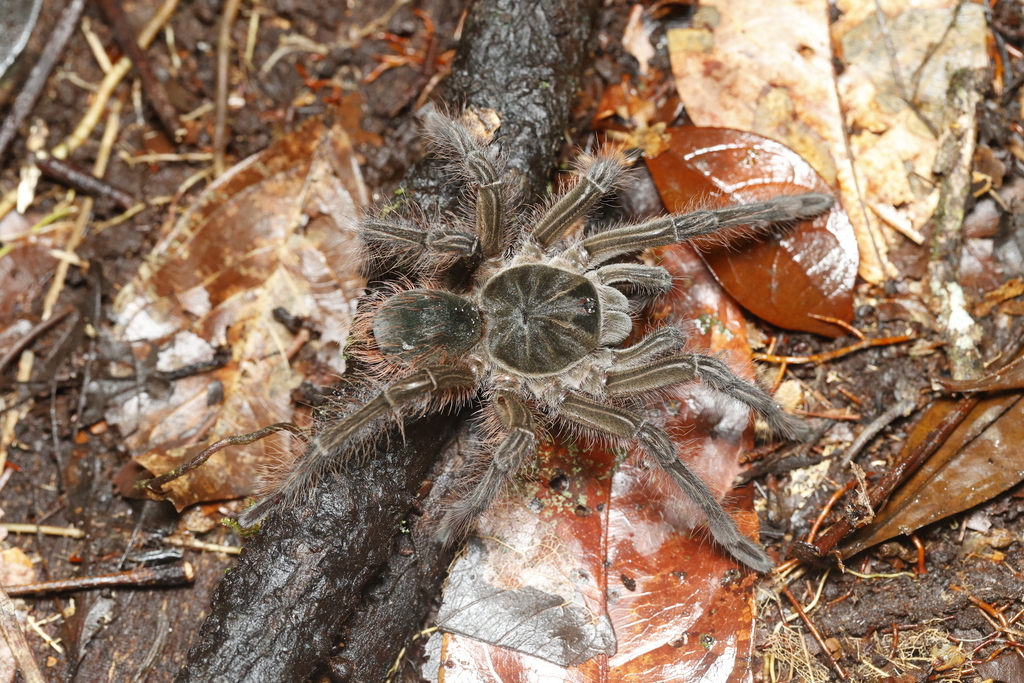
column 537, row 335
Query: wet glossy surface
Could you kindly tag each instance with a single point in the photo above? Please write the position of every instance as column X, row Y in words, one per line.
column 782, row 275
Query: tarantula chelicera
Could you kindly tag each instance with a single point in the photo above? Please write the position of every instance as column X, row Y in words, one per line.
column 537, row 335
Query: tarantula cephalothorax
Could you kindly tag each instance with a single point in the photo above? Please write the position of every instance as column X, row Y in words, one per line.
column 537, row 335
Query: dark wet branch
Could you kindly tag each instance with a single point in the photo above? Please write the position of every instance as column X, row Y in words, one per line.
column 305, row 579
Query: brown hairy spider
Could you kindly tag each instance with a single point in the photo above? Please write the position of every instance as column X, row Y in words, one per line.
column 537, row 335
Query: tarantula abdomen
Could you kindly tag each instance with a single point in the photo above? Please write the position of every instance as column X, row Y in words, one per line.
column 537, row 335
column 426, row 326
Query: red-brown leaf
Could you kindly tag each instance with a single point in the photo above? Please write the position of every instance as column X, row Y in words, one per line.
column 781, row 278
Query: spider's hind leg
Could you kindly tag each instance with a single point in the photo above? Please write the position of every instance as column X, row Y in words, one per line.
column 686, row 367
column 519, row 444
column 604, row 418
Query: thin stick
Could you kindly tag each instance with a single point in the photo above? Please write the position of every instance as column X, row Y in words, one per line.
column 27, row 338
column 155, row 92
column 18, row 528
column 154, row 483
column 30, row 92
column 110, row 81
column 920, row 567
column 66, row 174
column 833, row 499
column 838, row 353
column 202, row 545
column 82, row 220
column 223, row 62
column 16, row 641
column 898, row 409
column 841, row 323
column 814, row 632
column 166, row 575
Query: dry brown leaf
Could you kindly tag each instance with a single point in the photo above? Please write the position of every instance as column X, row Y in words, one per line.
column 277, row 230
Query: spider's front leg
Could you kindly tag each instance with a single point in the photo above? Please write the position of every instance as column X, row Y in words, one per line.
column 603, row 418
column 596, row 179
column 395, row 238
column 336, row 445
column 483, row 169
column 518, row 446
column 643, row 378
column 677, row 228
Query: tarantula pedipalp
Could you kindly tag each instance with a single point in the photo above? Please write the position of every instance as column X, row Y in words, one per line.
column 537, row 335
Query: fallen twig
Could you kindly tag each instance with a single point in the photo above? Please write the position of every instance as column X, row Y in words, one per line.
column 66, row 174
column 92, row 116
column 27, row 338
column 838, row 353
column 165, row 575
column 814, row 632
column 155, row 483
column 16, row 641
column 69, row 531
column 223, row 57
column 155, row 92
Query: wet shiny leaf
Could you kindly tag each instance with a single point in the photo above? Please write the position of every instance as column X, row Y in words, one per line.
column 274, row 231
column 606, row 536
column 781, row 277
column 980, row 460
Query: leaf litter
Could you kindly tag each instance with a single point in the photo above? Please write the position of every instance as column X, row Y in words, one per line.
column 274, row 232
column 891, row 206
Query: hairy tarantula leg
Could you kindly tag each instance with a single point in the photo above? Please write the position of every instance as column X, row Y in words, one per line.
column 519, row 444
column 398, row 237
column 645, row 278
column 490, row 199
column 326, row 451
column 608, row 419
column 662, row 341
column 681, row 227
column 596, row 181
column 711, row 371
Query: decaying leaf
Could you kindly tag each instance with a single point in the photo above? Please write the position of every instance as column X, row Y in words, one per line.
column 599, row 535
column 979, row 460
column 893, row 91
column 808, row 269
column 766, row 68
column 276, row 231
